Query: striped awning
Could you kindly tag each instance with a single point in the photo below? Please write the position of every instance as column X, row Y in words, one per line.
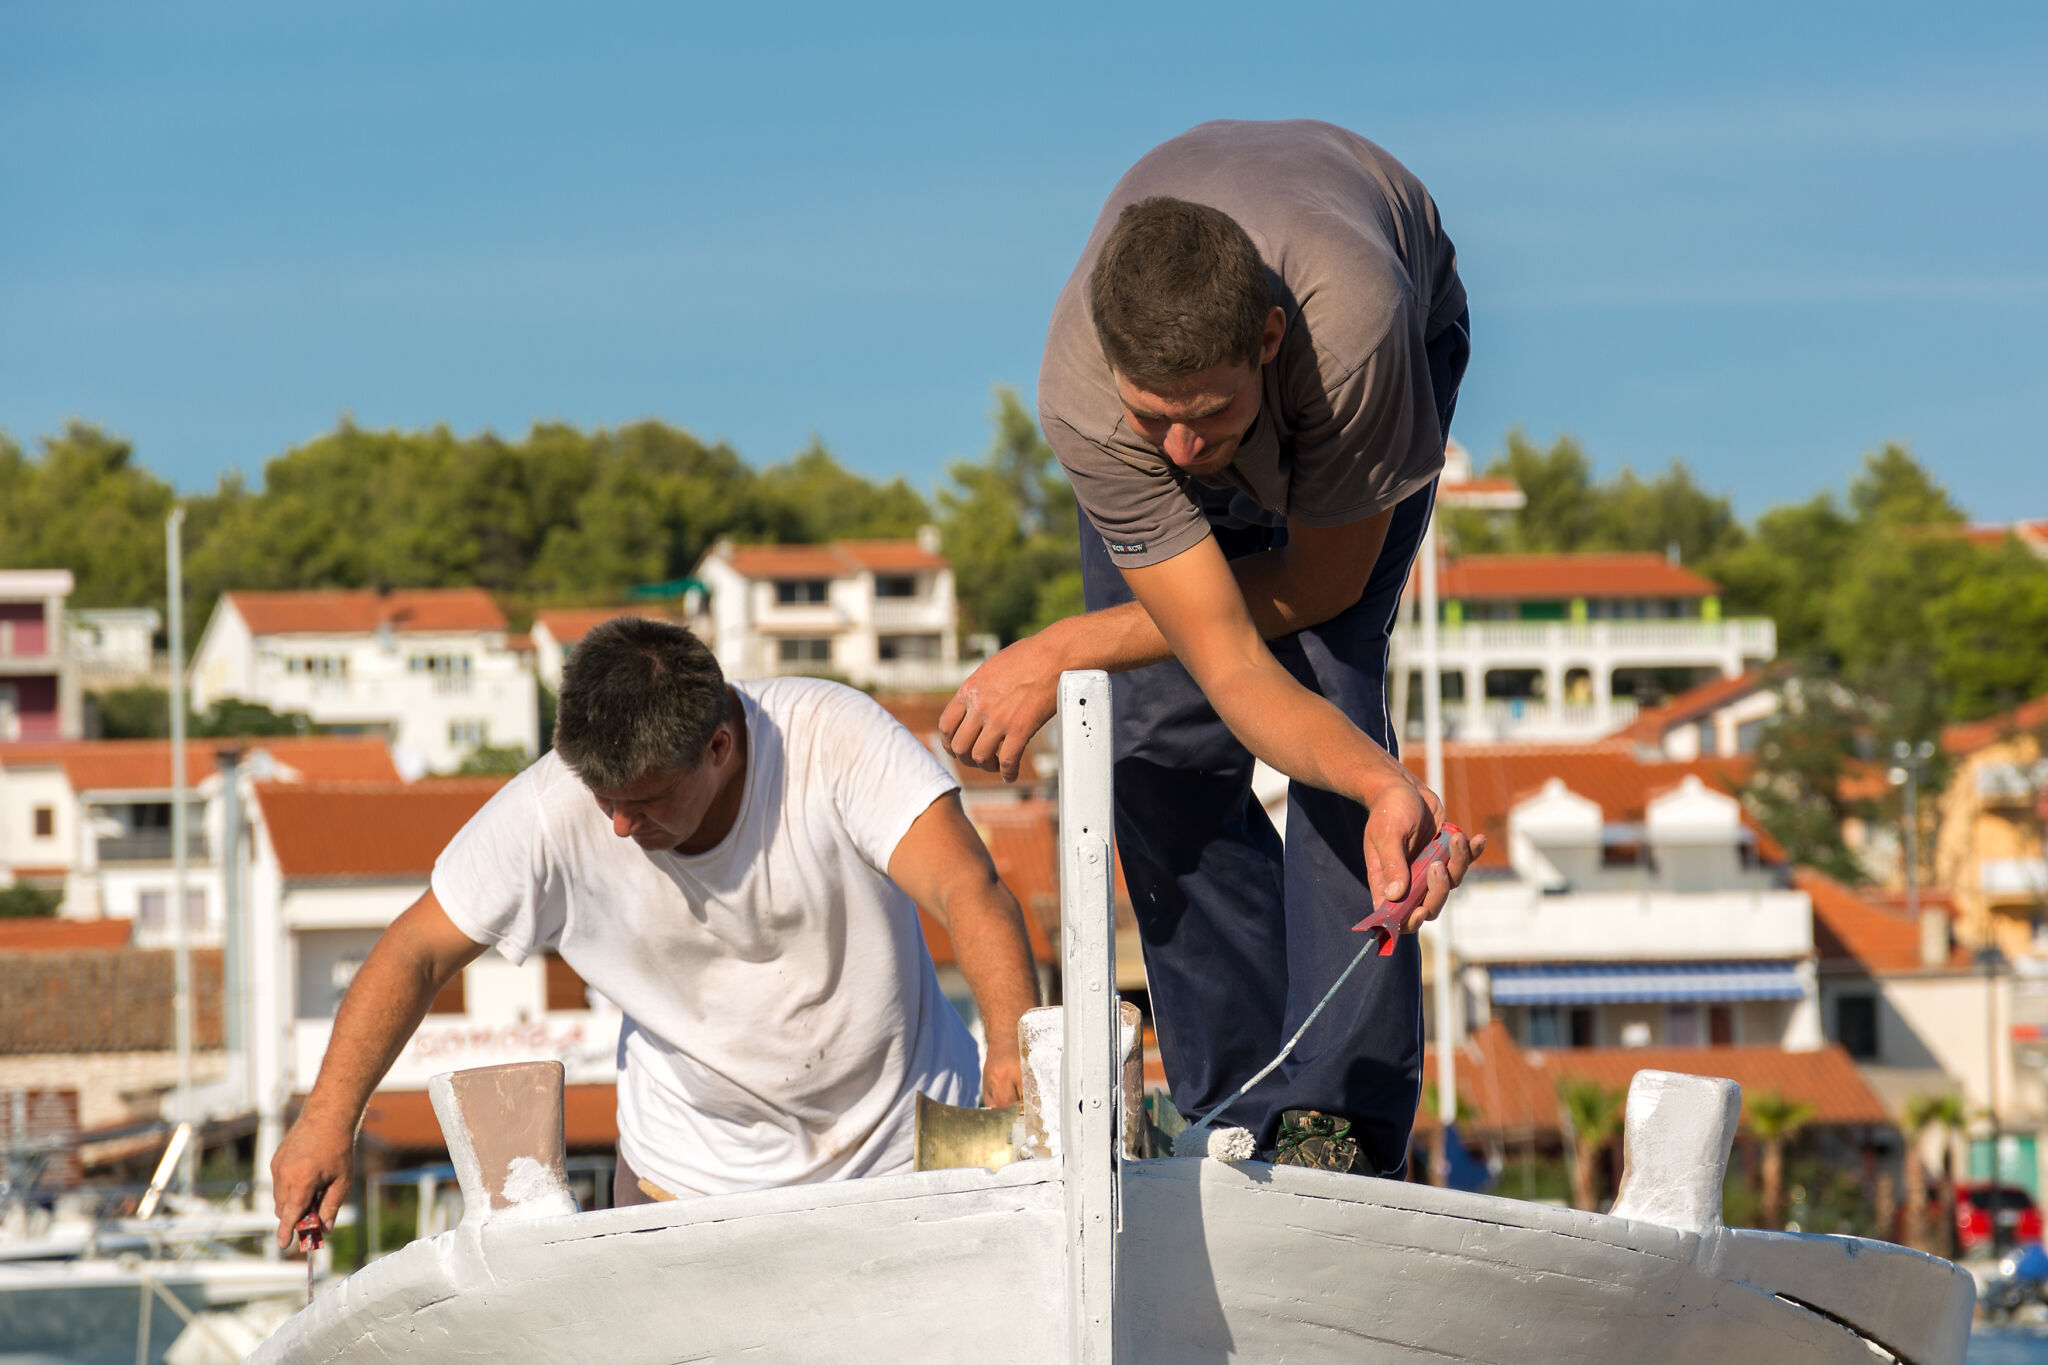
column 1620, row 983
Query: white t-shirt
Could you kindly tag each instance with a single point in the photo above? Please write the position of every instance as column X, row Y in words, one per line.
column 781, row 1007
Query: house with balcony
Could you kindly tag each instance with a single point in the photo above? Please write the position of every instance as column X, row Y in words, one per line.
column 38, row 676
column 1989, row 852
column 875, row 613
column 433, row 671
column 1568, row 647
column 91, row 820
column 1624, row 904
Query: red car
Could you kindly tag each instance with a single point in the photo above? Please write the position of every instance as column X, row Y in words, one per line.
column 2010, row 1207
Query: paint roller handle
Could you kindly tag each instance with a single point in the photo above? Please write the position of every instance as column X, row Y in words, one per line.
column 1387, row 920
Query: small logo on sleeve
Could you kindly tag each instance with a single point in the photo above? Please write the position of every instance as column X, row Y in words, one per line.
column 1127, row 547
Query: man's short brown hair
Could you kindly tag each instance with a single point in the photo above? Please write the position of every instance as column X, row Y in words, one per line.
column 1178, row 288
column 638, row 696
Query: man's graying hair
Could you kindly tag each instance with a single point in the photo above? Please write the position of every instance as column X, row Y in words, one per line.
column 637, row 696
column 1178, row 288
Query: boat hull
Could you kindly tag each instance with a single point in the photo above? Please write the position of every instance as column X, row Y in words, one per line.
column 1216, row 1263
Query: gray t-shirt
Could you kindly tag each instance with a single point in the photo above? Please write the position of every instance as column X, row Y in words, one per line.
column 1347, row 425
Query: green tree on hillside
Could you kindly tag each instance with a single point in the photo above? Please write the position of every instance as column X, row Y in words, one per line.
column 811, row 497
column 84, row 505
column 1008, row 524
column 1568, row 511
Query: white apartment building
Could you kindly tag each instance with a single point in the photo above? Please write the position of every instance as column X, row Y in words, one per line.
column 92, row 819
column 876, row 613
column 1636, row 907
column 38, row 677
column 434, row 671
column 1550, row 648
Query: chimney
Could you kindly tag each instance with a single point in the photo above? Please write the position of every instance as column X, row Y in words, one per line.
column 928, row 538
column 1934, row 941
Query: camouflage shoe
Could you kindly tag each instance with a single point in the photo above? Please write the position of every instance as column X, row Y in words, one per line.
column 1309, row 1137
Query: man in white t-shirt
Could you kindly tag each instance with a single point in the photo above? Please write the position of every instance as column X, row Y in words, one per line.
column 737, row 867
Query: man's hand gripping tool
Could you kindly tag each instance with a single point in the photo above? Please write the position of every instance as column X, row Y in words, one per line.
column 1387, row 920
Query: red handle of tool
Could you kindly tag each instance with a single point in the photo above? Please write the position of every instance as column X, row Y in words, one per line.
column 309, row 1232
column 1389, row 917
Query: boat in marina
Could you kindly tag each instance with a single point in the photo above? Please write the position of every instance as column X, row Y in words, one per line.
column 1086, row 1253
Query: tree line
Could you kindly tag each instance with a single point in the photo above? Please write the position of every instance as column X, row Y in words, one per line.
column 561, row 515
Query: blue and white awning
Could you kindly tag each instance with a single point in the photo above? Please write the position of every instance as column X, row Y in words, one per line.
column 1623, row 983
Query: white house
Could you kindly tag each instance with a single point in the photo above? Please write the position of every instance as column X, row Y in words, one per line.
column 877, row 613
column 92, row 820
column 1624, row 904
column 431, row 670
column 38, row 676
column 116, row 646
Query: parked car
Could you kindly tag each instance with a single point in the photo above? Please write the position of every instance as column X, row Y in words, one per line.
column 1980, row 1207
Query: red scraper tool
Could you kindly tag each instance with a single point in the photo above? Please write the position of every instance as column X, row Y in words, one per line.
column 1387, row 920
column 308, row 1230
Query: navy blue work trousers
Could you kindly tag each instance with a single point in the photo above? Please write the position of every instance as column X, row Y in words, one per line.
column 1242, row 935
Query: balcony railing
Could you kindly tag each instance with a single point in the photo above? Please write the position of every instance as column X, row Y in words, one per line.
column 910, row 613
column 1751, row 637
column 151, row 846
column 2013, row 878
column 1512, row 922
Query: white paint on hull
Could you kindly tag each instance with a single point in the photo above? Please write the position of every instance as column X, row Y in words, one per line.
column 1216, row 1263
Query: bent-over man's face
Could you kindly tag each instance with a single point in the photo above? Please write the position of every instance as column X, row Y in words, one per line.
column 1200, row 421
column 663, row 808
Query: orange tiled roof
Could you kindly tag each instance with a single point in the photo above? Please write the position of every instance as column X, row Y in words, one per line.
column 145, row 764
column 1964, row 739
column 1513, row 1090
column 360, row 611
column 1851, row 931
column 788, row 561
column 570, row 624
column 63, row 935
column 1514, row 577
column 886, row 556
column 840, row 559
column 1652, row 725
column 1483, row 782
column 367, row 830
column 1484, row 486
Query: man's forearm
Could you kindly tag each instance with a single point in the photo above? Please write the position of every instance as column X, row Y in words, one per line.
column 384, row 1005
column 1301, row 733
column 1120, row 638
column 994, row 952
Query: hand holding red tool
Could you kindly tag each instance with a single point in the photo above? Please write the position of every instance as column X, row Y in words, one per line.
column 1388, row 919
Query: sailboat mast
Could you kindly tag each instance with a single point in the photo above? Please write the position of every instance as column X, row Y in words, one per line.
column 181, row 933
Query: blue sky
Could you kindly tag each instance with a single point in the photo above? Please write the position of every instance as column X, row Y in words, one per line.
column 1761, row 238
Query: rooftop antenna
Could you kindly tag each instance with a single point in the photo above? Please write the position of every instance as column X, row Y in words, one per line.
column 181, row 934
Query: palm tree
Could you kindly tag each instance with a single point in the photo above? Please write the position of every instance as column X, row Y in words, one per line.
column 1774, row 1120
column 1924, row 1112
column 1592, row 1116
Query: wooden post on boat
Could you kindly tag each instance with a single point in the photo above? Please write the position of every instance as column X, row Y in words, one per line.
column 1089, row 1072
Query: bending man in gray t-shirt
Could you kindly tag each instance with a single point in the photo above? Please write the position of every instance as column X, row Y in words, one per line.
column 1247, row 380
